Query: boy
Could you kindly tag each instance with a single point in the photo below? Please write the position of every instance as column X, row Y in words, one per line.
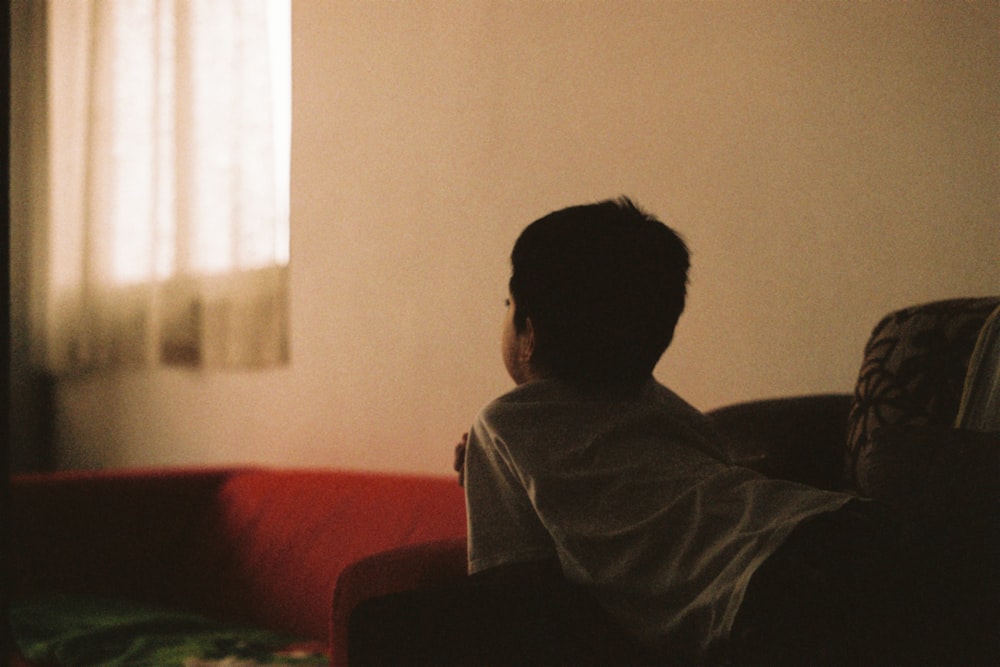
column 605, row 524
column 593, row 464
column 593, row 467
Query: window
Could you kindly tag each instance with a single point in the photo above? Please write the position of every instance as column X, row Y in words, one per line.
column 165, row 238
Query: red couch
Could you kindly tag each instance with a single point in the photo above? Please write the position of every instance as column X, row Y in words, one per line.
column 279, row 549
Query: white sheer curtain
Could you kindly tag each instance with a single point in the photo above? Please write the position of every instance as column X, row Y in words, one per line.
column 165, row 235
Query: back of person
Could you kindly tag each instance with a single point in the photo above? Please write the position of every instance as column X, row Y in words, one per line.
column 630, row 491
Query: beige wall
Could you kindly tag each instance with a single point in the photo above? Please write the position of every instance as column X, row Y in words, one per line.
column 827, row 162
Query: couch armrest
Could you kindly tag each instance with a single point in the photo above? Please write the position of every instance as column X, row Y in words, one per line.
column 413, row 567
column 800, row 438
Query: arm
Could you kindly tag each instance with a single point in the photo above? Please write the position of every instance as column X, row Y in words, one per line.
column 503, row 525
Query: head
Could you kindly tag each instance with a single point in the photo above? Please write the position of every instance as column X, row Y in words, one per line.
column 596, row 293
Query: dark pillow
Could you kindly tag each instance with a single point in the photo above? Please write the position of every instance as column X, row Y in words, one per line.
column 933, row 475
column 913, row 371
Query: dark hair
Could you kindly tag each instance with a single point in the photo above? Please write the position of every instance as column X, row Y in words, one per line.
column 604, row 285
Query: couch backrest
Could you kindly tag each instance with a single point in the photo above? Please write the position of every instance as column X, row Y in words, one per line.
column 798, row 438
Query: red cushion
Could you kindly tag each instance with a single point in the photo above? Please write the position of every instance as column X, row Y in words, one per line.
column 276, row 541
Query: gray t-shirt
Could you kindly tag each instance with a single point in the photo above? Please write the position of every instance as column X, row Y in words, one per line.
column 635, row 498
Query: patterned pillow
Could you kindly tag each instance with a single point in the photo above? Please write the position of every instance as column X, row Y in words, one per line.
column 913, row 371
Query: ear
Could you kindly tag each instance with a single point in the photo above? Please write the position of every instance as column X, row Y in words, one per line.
column 526, row 341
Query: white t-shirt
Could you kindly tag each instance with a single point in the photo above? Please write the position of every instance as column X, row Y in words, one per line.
column 635, row 499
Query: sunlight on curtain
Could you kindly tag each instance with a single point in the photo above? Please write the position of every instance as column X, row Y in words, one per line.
column 168, row 149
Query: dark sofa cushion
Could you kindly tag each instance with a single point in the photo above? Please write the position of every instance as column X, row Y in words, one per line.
column 799, row 438
column 913, row 371
column 934, row 475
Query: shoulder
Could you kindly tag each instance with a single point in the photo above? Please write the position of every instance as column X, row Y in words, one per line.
column 523, row 413
column 532, row 398
column 687, row 422
column 676, row 407
column 560, row 413
column 556, row 397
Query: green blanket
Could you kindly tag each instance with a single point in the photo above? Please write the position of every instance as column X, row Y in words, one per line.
column 93, row 631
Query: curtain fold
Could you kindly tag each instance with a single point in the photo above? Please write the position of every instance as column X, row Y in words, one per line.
column 165, row 238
